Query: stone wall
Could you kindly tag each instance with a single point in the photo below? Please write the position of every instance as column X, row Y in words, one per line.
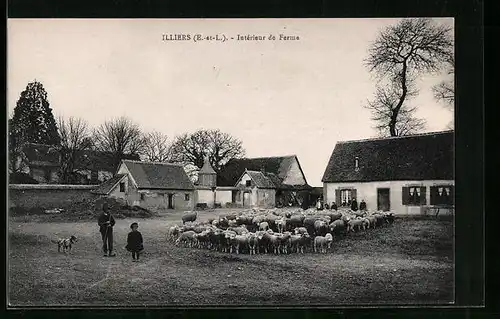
column 48, row 196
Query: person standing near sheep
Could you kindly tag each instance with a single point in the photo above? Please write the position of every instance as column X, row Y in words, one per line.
column 362, row 205
column 106, row 223
column 134, row 242
column 354, row 205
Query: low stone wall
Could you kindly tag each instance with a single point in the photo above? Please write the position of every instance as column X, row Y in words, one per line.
column 48, row 196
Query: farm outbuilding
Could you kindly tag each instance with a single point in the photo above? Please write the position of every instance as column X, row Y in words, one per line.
column 408, row 174
column 150, row 185
column 207, row 191
column 266, row 181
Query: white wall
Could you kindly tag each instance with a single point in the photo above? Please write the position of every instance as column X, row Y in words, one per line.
column 115, row 192
column 244, row 179
column 368, row 192
column 294, row 175
column 223, row 197
column 205, row 196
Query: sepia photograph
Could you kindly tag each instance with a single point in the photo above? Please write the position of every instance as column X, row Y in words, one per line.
column 231, row 162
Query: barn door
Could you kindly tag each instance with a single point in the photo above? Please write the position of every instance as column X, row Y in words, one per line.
column 383, row 199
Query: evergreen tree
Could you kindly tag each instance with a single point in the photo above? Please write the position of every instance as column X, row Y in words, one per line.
column 33, row 120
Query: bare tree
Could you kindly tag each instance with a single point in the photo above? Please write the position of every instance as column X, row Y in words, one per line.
column 383, row 106
column 445, row 90
column 75, row 139
column 406, row 50
column 120, row 137
column 157, row 147
column 191, row 149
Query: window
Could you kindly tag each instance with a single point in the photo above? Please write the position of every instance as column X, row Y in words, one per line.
column 143, row 196
column 414, row 195
column 248, row 183
column 122, row 187
column 442, row 195
column 186, row 197
column 343, row 197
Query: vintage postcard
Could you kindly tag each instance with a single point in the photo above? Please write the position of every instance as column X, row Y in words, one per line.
column 216, row 162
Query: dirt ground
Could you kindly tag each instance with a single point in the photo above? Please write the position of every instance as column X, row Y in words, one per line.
column 410, row 262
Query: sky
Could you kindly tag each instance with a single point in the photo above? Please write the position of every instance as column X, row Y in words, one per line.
column 279, row 97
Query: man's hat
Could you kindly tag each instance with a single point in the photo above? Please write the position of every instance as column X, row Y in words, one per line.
column 133, row 224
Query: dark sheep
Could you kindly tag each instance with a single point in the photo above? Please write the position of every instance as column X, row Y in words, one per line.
column 189, row 217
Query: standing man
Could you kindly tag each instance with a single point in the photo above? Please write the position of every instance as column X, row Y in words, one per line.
column 106, row 223
column 354, row 205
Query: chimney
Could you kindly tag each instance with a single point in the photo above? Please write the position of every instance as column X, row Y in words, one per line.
column 356, row 163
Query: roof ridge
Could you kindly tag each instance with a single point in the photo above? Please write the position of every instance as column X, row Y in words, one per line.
column 253, row 171
column 150, row 162
column 395, row 137
column 263, row 157
column 40, row 144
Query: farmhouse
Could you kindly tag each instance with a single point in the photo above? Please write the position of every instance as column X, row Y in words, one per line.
column 40, row 162
column 43, row 162
column 407, row 175
column 150, row 185
column 265, row 181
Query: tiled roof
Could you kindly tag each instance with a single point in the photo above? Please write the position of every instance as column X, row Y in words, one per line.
column 261, row 180
column 416, row 157
column 108, row 185
column 152, row 175
column 232, row 171
column 41, row 154
column 100, row 161
column 47, row 155
column 207, row 168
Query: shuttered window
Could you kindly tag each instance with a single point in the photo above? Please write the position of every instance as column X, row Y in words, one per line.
column 414, row 195
column 442, row 195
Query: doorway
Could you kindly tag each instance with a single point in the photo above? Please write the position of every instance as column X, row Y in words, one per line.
column 170, row 201
column 246, row 200
column 383, row 199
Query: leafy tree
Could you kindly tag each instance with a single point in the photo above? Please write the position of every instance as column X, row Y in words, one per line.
column 16, row 142
column 402, row 53
column 33, row 120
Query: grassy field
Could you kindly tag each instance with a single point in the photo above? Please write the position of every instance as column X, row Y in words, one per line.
column 410, row 262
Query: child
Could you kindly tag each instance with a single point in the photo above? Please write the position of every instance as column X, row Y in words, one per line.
column 134, row 242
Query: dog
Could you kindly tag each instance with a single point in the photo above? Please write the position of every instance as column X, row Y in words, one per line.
column 65, row 243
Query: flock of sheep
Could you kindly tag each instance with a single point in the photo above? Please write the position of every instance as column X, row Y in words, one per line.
column 274, row 231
